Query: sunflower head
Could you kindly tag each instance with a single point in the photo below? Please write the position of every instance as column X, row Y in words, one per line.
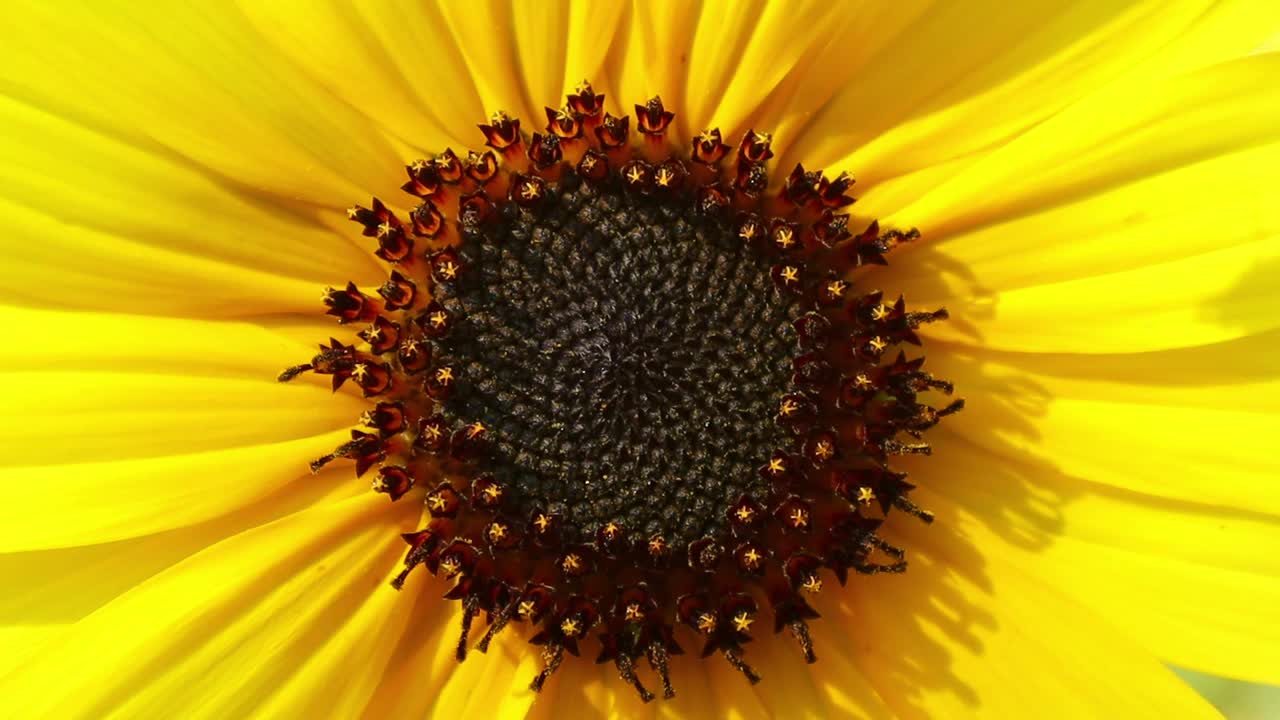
column 627, row 373
column 638, row 384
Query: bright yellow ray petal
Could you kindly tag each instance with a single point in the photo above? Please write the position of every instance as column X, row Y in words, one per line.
column 768, row 66
column 409, row 685
column 1142, row 483
column 201, row 83
column 596, row 689
column 105, row 342
column 178, row 239
column 484, row 33
column 833, row 687
column 221, row 633
column 114, row 416
column 1219, row 621
column 793, row 109
column 19, row 641
column 1124, row 224
column 397, row 63
column 1159, row 570
column 1120, row 134
column 128, row 387
column 1169, row 438
column 700, row 698
column 560, row 44
column 593, row 31
column 113, row 371
column 963, row 79
column 964, row 634
column 718, row 51
column 541, row 38
column 1141, row 279
column 1197, row 300
column 56, row 263
column 1234, row 375
column 711, row 687
column 848, row 691
column 99, row 502
column 646, row 60
column 488, row 686
column 1137, row 237
column 326, row 682
column 1218, row 203
column 424, row 678
column 52, row 589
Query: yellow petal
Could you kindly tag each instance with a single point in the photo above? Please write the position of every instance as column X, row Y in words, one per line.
column 794, row 107
column 595, row 689
column 105, row 342
column 560, row 44
column 1137, row 230
column 1099, row 143
column 1178, row 259
column 647, row 60
column 68, row 272
column 541, row 37
column 716, row 56
column 1215, row 204
column 398, row 64
column 484, row 34
column 200, row 84
column 1197, row 300
column 19, row 641
column 772, row 66
column 1195, row 584
column 930, row 93
column 592, row 34
column 832, row 687
column 106, row 487
column 181, row 387
column 963, row 634
column 53, row 589
column 117, row 416
column 223, row 632
column 413, row 678
column 1100, row 227
column 1156, row 506
column 502, row 681
column 55, row 506
column 424, row 678
column 177, row 239
column 1161, row 436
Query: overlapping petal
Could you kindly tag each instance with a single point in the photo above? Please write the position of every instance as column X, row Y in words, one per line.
column 129, row 426
column 1159, row 220
column 966, row 634
column 271, row 617
column 1130, row 481
column 941, row 84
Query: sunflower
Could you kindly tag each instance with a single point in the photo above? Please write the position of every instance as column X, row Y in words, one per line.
column 634, row 382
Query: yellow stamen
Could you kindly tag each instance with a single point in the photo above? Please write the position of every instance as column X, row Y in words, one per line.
column 799, row 518
column 707, row 623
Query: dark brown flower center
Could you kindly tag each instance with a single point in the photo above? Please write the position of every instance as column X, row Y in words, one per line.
column 641, row 389
column 627, row 354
